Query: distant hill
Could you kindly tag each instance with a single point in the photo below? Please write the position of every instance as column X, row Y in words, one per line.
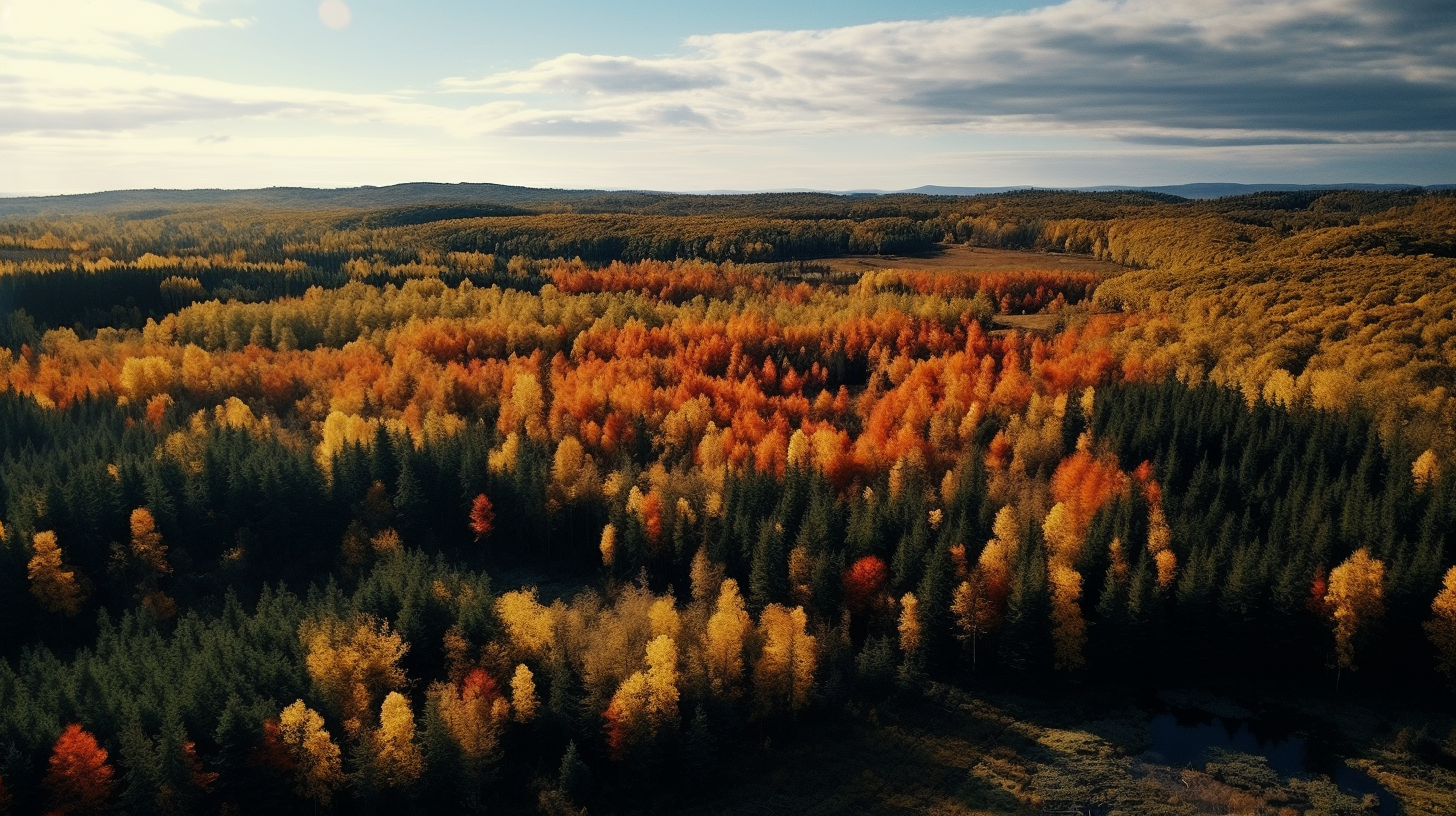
column 420, row 202
column 1200, row 190
column 398, row 195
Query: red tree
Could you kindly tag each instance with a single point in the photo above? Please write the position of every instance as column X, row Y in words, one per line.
column 479, row 684
column 482, row 517
column 79, row 779
column 864, row 584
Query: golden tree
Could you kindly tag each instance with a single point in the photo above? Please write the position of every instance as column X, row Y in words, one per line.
column 318, row 769
column 728, row 626
column 1069, row 630
column 396, row 755
column 529, row 625
column 646, row 703
column 353, row 663
column 909, row 624
column 474, row 714
column 146, row 543
column 784, row 673
column 523, row 695
column 1441, row 628
column 51, row 581
column 1357, row 595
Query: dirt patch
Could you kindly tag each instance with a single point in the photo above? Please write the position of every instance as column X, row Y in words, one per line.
column 1041, row 323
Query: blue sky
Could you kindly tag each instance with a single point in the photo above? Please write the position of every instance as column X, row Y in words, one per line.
column 108, row 94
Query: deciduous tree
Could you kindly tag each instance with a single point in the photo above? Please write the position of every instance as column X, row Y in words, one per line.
column 52, row 581
column 1441, row 628
column 1357, row 593
column 79, row 779
column 318, row 769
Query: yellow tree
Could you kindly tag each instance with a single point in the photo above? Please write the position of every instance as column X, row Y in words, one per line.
column 909, row 624
column 52, row 582
column 353, row 663
column 784, row 673
column 529, row 625
column 662, row 692
column 1160, row 541
column 523, row 695
column 397, row 757
column 146, row 543
column 1441, row 628
column 149, row 554
column 608, row 545
column 646, row 703
column 1069, row 630
column 1064, row 544
column 723, row 641
column 318, row 769
column 473, row 716
column 1357, row 595
column 975, row 608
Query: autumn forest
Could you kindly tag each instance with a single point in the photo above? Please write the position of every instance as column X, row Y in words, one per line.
column 567, row 504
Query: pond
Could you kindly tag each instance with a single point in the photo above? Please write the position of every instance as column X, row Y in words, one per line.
column 1188, row 738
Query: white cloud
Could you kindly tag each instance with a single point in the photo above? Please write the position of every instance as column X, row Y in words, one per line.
column 95, row 29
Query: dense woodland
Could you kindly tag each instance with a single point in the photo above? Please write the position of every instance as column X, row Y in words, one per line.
column 257, row 469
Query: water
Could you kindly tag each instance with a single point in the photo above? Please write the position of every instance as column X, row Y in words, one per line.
column 1187, row 738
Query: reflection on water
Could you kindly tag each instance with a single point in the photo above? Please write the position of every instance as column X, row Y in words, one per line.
column 1184, row 737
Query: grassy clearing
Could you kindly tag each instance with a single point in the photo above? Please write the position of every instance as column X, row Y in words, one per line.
column 954, row 754
column 952, row 257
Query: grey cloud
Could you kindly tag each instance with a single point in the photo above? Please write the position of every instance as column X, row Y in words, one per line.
column 578, row 73
column 567, row 127
column 1298, row 70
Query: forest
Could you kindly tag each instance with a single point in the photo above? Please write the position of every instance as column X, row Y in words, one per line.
column 566, row 506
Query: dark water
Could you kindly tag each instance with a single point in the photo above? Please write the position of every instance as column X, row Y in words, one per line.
column 1188, row 738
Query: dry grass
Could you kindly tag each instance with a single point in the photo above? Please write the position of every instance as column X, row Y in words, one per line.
column 955, row 754
column 977, row 259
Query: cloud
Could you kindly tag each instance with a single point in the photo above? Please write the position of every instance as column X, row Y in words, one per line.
column 1188, row 74
column 1172, row 71
column 578, row 73
column 55, row 96
column 93, row 29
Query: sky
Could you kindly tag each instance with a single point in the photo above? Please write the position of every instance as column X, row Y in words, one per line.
column 750, row 95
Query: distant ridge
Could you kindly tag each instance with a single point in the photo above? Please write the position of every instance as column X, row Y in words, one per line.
column 397, row 195
column 417, row 194
column 1198, row 190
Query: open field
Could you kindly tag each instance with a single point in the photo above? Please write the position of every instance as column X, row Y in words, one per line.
column 954, row 752
column 977, row 259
